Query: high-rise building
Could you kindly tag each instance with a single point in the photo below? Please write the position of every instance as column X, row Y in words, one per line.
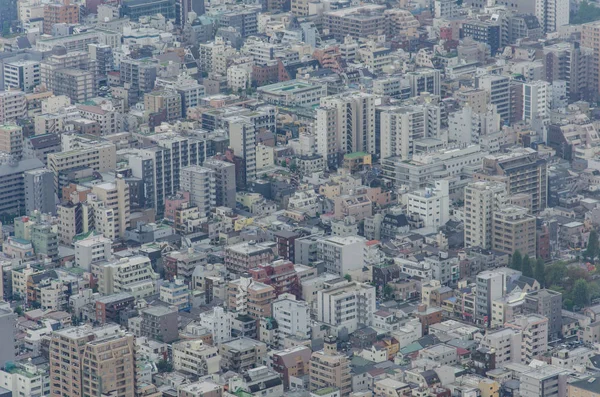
column 242, row 138
column 552, row 14
column 329, row 368
column 424, row 80
column 345, row 124
column 168, row 101
column 253, row 298
column 489, row 287
column 111, row 208
column 514, row 230
column 60, row 13
column 400, row 127
column 571, row 62
column 342, row 255
column 534, row 329
column 39, row 191
column 13, row 106
column 487, row 32
column 537, row 100
column 12, row 178
column 91, row 250
column 481, row 200
column 522, row 171
column 292, row 316
column 225, row 188
column 133, row 274
column 200, row 183
column 498, row 89
column 101, row 361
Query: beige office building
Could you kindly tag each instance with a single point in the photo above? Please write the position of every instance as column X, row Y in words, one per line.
column 11, row 140
column 514, row 229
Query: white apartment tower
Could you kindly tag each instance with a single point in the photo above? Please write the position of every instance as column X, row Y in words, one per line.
column 537, row 100
column 346, row 125
column 552, row 14
column 346, row 304
column 431, row 205
column 242, row 138
column 200, row 183
column 293, row 316
column 481, row 200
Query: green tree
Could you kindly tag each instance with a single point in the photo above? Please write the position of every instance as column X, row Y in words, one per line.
column 348, row 277
column 164, row 366
column 586, row 13
column 388, row 290
column 526, row 267
column 568, row 304
column 19, row 310
column 540, row 269
column 556, row 273
column 6, row 29
column 581, row 293
column 593, row 246
column 516, row 261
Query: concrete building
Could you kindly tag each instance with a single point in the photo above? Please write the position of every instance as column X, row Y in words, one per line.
column 218, row 322
column 293, row 316
column 31, row 379
column 498, row 90
column 489, row 287
column 552, row 14
column 111, row 371
column 345, row 124
column 424, row 80
column 95, row 248
column 522, row 171
column 400, row 127
column 13, row 106
column 242, row 354
column 200, row 182
column 22, row 75
column 430, row 206
column 224, row 176
column 242, row 257
column 165, row 100
column 112, row 208
column 358, row 308
column 12, row 179
column 293, row 93
column 506, row 343
column 481, row 200
column 131, row 274
column 537, row 100
column 159, row 323
column 546, row 303
column 514, row 229
column 8, row 328
column 355, row 21
column 139, row 74
column 342, row 255
column 534, row 331
column 587, row 387
column 249, row 297
column 547, row 381
column 195, row 358
column 58, row 13
column 39, row 191
column 328, row 368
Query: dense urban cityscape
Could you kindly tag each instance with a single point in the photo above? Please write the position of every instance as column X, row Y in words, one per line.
column 304, row 198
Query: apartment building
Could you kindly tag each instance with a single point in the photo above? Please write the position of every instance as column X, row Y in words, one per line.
column 506, row 343
column 481, row 200
column 22, row 74
column 13, row 182
column 218, row 322
column 522, row 171
column 242, row 354
column 160, row 323
column 547, row 381
column 60, row 13
column 430, row 206
column 132, row 274
column 13, row 106
column 95, row 248
column 490, row 286
column 547, row 303
column 224, row 176
column 168, row 101
column 111, row 206
column 27, row 378
column 537, row 100
column 329, row 368
column 39, row 191
column 514, row 229
column 292, row 316
column 195, row 358
column 357, row 308
column 107, row 119
column 99, row 156
column 498, row 90
column 140, row 75
column 534, row 331
column 356, row 22
column 200, row 183
column 342, row 255
column 241, row 257
column 246, row 296
column 109, row 372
